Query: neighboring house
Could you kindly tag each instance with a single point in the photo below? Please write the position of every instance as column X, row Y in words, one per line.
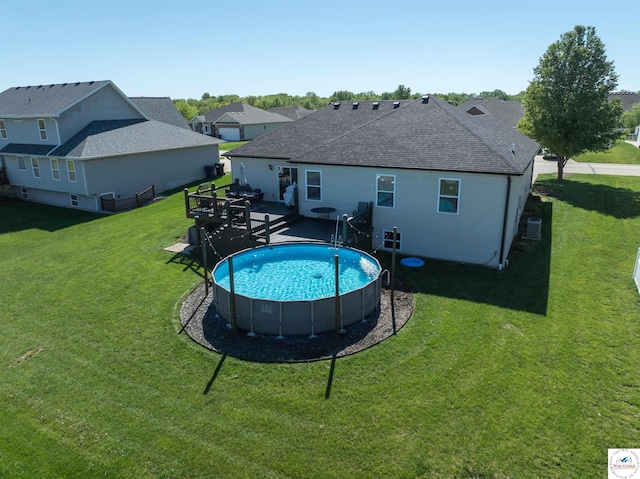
column 294, row 113
column 71, row 144
column 453, row 184
column 509, row 112
column 238, row 122
column 627, row 98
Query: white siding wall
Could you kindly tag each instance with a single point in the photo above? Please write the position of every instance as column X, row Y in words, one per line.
column 105, row 104
column 25, row 178
column 472, row 236
column 57, row 198
column 520, row 189
column 27, row 131
column 128, row 175
column 254, row 131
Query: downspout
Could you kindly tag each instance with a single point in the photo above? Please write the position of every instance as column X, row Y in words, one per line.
column 501, row 265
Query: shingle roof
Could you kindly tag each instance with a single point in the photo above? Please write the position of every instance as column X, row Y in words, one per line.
column 244, row 114
column 161, row 109
column 627, row 98
column 27, row 149
column 293, row 113
column 45, row 100
column 509, row 112
column 414, row 135
column 123, row 137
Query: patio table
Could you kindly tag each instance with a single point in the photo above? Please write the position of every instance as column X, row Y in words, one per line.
column 323, row 212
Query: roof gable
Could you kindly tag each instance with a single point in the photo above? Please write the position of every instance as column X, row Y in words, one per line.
column 50, row 100
column 509, row 112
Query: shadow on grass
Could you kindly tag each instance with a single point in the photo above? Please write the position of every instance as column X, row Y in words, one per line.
column 611, row 201
column 522, row 286
column 17, row 215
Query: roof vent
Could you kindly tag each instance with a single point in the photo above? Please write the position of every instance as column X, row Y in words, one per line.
column 425, row 99
column 355, row 105
column 375, row 105
column 64, row 84
column 396, row 104
column 336, row 105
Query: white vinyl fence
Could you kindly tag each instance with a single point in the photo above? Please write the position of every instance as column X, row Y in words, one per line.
column 636, row 271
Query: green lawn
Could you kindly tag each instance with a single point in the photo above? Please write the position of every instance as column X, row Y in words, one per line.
column 621, row 152
column 230, row 145
column 527, row 373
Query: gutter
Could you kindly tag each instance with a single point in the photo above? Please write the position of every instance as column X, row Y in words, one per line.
column 502, row 264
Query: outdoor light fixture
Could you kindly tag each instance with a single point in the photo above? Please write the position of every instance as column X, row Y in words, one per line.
column 271, row 167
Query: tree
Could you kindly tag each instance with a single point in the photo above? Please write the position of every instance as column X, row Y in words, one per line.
column 631, row 118
column 187, row 111
column 566, row 104
column 402, row 93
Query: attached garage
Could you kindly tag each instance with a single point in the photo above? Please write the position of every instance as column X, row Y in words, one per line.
column 229, row 134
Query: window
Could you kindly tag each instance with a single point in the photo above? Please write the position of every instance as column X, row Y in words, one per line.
column 43, row 130
column 36, row 167
column 314, row 185
column 25, row 193
column 74, row 200
column 3, row 130
column 448, row 196
column 55, row 169
column 21, row 164
column 71, row 169
column 388, row 240
column 386, row 191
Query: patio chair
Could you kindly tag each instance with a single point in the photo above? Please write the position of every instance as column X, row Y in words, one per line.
column 360, row 218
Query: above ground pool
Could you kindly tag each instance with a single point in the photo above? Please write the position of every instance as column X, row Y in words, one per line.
column 290, row 289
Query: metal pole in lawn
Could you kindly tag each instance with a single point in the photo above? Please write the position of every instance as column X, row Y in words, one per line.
column 203, row 240
column 232, row 297
column 336, row 262
column 393, row 263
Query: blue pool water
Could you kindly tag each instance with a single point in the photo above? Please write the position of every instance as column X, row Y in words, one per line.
column 291, row 272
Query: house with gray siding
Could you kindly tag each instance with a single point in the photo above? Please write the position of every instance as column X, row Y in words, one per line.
column 453, row 184
column 238, row 121
column 71, row 144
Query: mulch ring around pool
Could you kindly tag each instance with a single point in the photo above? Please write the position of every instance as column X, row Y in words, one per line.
column 198, row 320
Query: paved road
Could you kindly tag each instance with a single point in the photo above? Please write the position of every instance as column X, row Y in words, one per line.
column 542, row 166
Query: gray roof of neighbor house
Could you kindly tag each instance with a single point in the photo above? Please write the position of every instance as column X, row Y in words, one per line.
column 125, row 137
column 294, row 113
column 45, row 100
column 161, row 109
column 628, row 99
column 510, row 112
column 419, row 134
column 244, row 114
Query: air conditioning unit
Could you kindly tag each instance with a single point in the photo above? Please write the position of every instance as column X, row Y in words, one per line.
column 534, row 228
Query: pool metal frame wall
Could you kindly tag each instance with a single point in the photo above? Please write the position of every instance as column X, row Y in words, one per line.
column 297, row 318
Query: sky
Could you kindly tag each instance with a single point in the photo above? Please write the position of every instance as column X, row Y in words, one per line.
column 185, row 48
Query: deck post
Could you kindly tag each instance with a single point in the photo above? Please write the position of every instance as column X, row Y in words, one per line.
column 232, row 297
column 203, row 240
column 393, row 265
column 227, row 210
column 186, row 201
column 267, row 233
column 345, row 220
column 247, row 214
column 336, row 262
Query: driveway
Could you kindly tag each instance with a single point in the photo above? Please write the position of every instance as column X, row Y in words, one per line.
column 542, row 166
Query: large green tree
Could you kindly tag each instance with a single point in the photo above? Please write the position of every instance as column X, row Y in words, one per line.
column 566, row 104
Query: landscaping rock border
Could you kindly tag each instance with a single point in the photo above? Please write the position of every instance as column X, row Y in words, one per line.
column 199, row 322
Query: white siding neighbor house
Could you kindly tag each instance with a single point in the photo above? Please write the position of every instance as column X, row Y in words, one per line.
column 71, row 144
column 453, row 184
